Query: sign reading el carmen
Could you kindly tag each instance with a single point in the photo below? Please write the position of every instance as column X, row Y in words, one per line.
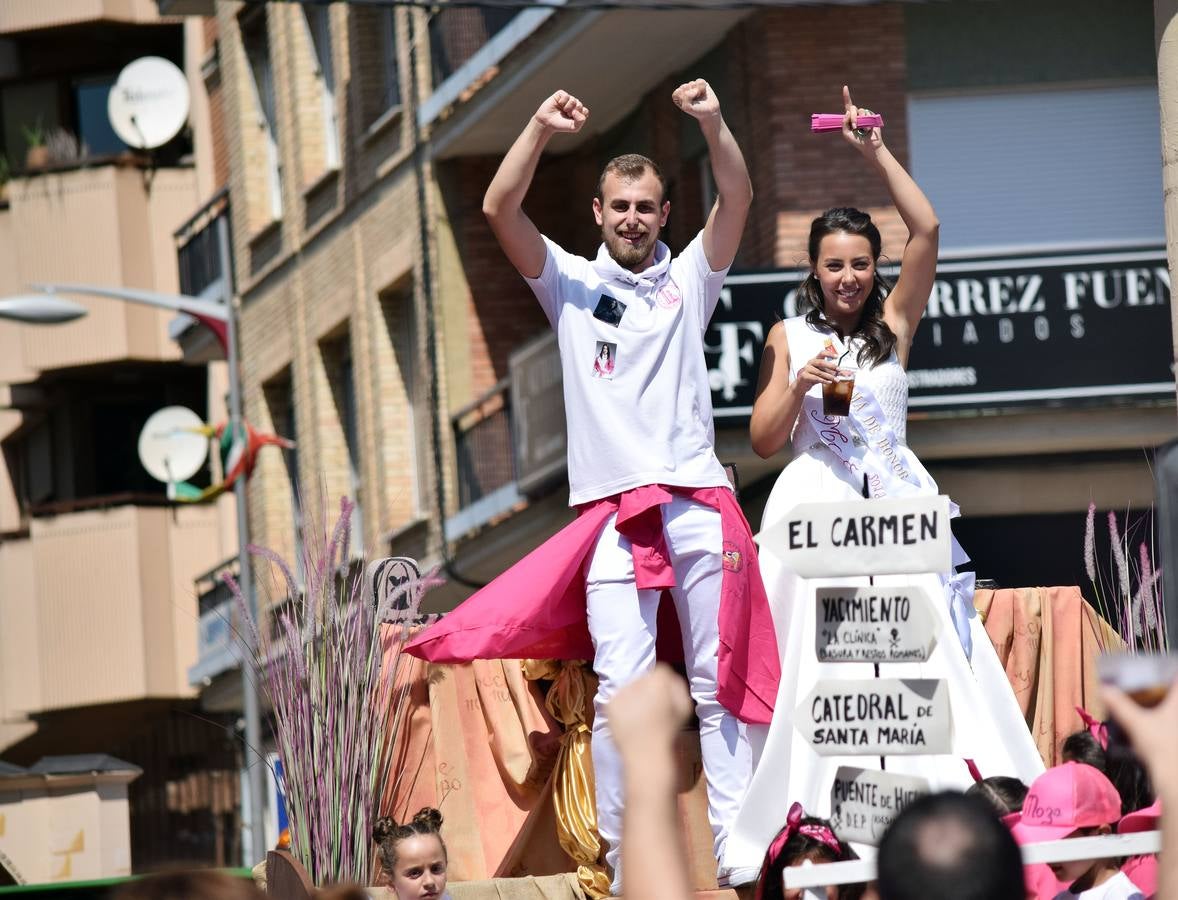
column 863, row 537
column 998, row 331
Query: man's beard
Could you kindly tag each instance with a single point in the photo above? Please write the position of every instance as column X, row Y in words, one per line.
column 624, row 253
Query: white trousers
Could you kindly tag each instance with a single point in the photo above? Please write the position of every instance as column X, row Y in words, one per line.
column 622, row 625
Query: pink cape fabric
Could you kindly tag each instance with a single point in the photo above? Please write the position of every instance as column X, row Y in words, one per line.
column 536, row 609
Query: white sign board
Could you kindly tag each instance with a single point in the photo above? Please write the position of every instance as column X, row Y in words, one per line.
column 864, row 802
column 874, row 624
column 863, row 537
column 876, row 717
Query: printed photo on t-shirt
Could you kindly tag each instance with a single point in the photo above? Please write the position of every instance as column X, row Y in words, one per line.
column 604, row 359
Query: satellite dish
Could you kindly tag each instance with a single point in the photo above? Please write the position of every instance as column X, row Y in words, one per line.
column 148, row 104
column 171, row 447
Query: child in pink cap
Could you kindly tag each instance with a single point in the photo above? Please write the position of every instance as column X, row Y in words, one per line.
column 1142, row 870
column 1075, row 800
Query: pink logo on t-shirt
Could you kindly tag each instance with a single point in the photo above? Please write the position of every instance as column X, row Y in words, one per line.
column 669, row 296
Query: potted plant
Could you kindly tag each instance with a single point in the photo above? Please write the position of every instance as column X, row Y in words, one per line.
column 37, row 155
column 63, row 147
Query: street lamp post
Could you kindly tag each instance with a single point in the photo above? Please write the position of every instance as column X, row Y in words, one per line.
column 221, row 318
column 255, row 774
column 39, row 309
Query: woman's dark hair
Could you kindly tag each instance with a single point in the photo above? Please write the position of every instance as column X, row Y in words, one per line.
column 1002, row 792
column 1129, row 777
column 878, row 340
column 801, row 847
column 387, row 833
column 1119, row 763
column 1083, row 747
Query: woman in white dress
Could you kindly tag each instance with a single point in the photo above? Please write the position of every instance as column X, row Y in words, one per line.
column 853, row 325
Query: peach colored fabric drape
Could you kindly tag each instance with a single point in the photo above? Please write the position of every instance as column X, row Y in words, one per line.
column 478, row 744
column 1048, row 639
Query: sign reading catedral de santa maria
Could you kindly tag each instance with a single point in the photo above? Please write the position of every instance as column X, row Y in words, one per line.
column 874, row 717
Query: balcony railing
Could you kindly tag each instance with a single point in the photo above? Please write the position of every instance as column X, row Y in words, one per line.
column 218, row 649
column 37, row 15
column 94, row 225
column 510, row 442
column 198, row 256
column 483, row 445
column 115, row 614
column 458, row 33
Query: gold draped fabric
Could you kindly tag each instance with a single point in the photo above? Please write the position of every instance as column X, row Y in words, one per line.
column 573, row 797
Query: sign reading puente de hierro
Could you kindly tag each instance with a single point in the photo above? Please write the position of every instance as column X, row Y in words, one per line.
column 864, row 802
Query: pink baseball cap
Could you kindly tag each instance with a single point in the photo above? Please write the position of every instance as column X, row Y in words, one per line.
column 1141, row 819
column 1063, row 799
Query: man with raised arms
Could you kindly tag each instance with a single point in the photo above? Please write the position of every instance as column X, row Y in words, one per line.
column 656, row 510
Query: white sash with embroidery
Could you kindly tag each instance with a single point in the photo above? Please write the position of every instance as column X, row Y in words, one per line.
column 865, row 445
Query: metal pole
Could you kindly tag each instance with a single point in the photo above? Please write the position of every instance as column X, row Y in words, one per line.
column 1166, row 470
column 1166, row 38
column 254, row 802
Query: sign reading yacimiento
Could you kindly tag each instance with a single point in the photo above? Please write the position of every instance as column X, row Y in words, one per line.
column 875, row 717
column 874, row 624
column 863, row 537
column 864, row 802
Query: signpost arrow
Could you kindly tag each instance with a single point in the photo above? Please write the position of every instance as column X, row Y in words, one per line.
column 864, row 802
column 874, row 624
column 874, row 717
column 863, row 537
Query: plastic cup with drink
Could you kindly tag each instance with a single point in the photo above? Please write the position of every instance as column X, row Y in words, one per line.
column 836, row 396
column 1146, row 677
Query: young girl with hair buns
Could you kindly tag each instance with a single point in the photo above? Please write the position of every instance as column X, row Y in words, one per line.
column 413, row 855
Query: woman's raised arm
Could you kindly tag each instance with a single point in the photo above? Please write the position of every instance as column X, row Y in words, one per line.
column 918, row 266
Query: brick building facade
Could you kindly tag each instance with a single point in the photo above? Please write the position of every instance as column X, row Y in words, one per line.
column 382, row 326
column 355, row 301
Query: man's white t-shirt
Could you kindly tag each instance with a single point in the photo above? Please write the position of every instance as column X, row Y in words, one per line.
column 636, row 391
column 1119, row 887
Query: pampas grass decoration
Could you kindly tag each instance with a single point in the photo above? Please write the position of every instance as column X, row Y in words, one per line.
column 332, row 671
column 1138, row 616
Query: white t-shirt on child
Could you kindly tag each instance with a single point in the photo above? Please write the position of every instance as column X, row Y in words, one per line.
column 636, row 390
column 1119, row 887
